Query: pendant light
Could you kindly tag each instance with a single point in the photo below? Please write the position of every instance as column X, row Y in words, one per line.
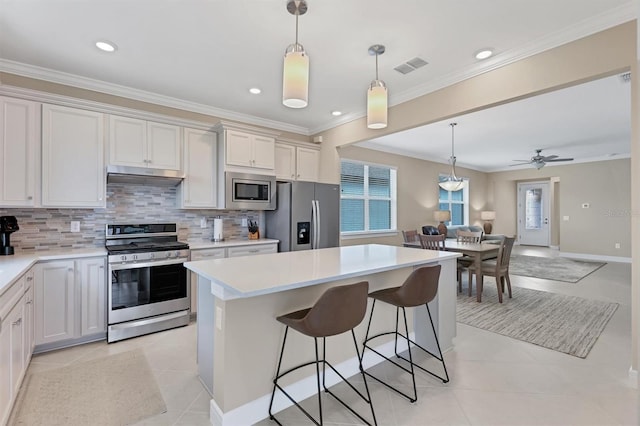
column 295, row 74
column 452, row 183
column 377, row 96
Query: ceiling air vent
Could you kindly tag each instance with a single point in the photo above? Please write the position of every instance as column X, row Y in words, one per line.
column 411, row 65
column 626, row 77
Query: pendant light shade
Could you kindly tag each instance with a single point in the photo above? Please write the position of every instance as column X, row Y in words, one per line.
column 452, row 182
column 377, row 96
column 295, row 73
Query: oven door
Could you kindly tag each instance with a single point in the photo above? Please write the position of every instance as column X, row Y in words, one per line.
column 143, row 290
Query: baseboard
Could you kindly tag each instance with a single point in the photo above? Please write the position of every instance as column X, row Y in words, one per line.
column 599, row 257
column 258, row 409
column 554, row 247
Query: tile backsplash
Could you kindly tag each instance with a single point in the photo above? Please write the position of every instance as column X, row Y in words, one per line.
column 49, row 229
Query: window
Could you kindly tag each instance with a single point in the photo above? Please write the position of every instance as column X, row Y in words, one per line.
column 367, row 197
column 457, row 202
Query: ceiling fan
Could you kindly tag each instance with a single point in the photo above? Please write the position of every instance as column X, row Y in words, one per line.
column 538, row 161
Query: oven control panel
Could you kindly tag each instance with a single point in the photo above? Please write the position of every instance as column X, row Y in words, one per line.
column 146, row 257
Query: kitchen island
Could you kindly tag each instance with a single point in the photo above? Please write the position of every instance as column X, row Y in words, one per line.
column 239, row 337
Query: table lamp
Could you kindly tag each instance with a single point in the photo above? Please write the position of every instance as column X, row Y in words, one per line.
column 442, row 216
column 488, row 216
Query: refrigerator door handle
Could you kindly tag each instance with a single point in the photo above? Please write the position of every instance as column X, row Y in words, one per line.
column 317, row 223
column 313, row 224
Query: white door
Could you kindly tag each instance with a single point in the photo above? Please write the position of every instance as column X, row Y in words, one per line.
column 93, row 293
column 533, row 214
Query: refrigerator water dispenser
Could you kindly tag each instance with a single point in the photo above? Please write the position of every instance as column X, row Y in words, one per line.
column 304, row 232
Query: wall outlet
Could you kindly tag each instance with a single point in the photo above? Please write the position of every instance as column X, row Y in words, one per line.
column 244, row 221
column 565, row 218
column 585, row 205
column 617, row 245
column 75, row 226
column 203, row 222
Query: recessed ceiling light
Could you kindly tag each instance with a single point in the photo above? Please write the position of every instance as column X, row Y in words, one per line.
column 106, row 46
column 484, row 53
column 336, row 113
column 255, row 91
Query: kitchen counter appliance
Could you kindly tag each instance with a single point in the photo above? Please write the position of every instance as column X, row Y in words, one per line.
column 307, row 216
column 148, row 286
column 8, row 225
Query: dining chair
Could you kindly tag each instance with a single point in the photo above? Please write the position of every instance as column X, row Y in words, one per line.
column 465, row 261
column 410, row 236
column 498, row 268
column 432, row 242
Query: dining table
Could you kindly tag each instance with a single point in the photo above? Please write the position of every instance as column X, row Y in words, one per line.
column 478, row 251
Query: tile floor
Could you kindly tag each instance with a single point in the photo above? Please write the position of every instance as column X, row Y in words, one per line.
column 495, row 380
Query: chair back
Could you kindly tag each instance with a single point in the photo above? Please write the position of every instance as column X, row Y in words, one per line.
column 432, row 242
column 504, row 253
column 468, row 236
column 420, row 287
column 410, row 236
column 339, row 309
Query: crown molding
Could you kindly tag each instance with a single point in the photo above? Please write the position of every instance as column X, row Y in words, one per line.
column 81, row 82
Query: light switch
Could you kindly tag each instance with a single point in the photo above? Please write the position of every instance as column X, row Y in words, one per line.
column 585, row 205
column 565, row 218
column 218, row 318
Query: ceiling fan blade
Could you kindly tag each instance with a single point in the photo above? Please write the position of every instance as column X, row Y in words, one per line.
column 548, row 157
column 559, row 159
column 523, row 161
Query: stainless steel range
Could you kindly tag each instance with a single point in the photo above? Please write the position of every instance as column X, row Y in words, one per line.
column 148, row 284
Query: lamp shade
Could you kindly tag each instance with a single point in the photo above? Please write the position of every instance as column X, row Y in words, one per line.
column 488, row 215
column 377, row 105
column 295, row 78
column 442, row 215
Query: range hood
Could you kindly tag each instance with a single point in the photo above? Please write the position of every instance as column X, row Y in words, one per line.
column 143, row 176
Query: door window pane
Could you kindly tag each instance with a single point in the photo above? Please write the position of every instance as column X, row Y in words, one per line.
column 533, row 209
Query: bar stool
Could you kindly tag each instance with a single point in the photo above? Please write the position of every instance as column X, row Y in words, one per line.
column 419, row 288
column 338, row 310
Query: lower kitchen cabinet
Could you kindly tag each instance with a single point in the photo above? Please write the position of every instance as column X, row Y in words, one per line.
column 70, row 302
column 16, row 344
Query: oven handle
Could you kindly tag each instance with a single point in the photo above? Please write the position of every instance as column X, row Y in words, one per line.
column 121, row 266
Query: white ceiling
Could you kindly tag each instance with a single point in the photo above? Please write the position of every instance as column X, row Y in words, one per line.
column 204, row 55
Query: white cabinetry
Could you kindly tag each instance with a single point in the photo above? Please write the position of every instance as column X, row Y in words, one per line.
column 93, row 293
column 19, row 152
column 70, row 301
column 251, row 250
column 198, row 189
column 249, row 150
column 16, row 334
column 140, row 143
column 72, row 157
column 296, row 162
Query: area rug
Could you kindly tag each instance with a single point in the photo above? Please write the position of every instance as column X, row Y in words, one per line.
column 566, row 324
column 114, row 390
column 552, row 268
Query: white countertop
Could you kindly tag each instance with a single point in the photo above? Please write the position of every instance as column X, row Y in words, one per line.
column 11, row 267
column 230, row 243
column 275, row 272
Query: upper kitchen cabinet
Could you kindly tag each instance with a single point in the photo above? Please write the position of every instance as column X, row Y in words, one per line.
column 247, row 150
column 198, row 189
column 140, row 143
column 19, row 152
column 73, row 172
column 297, row 162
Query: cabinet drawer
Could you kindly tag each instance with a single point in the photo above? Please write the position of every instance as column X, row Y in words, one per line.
column 251, row 250
column 217, row 253
column 10, row 297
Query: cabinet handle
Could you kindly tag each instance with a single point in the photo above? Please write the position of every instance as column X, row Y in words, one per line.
column 29, row 197
column 17, row 322
column 29, row 278
column 29, row 302
column 70, row 270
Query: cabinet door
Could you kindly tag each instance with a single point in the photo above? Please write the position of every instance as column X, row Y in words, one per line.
column 93, row 294
column 19, row 150
column 239, row 148
column 16, row 333
column 127, row 141
column 285, row 161
column 199, row 188
column 72, row 157
column 5, row 369
column 55, row 301
column 28, row 319
column 264, row 152
column 164, row 146
column 252, row 250
column 307, row 164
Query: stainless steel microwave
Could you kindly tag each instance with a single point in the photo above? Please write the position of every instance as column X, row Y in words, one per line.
column 244, row 191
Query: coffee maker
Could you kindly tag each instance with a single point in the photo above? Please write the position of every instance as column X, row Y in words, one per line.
column 8, row 225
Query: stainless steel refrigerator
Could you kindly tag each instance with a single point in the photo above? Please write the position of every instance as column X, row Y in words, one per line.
column 307, row 216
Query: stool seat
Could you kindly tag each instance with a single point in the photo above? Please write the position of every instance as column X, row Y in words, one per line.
column 420, row 288
column 338, row 310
